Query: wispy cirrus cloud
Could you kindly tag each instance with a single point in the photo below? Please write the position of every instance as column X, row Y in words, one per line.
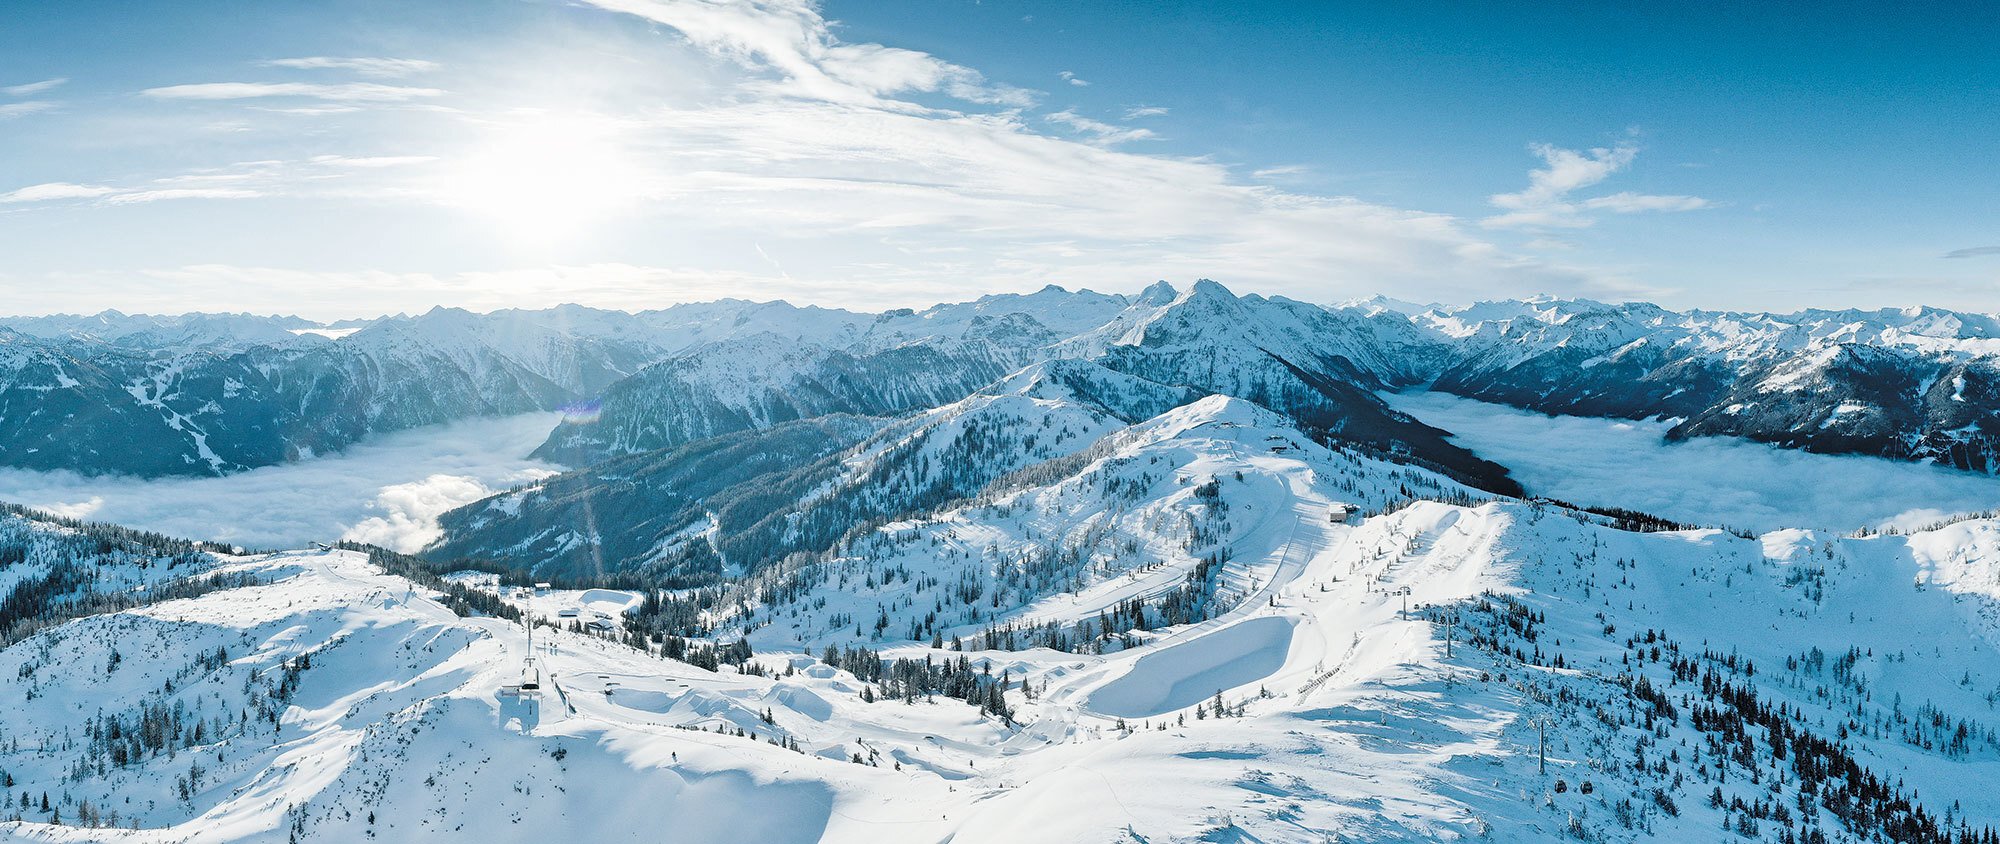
column 824, row 147
column 1073, row 79
column 324, row 174
column 162, row 194
column 9, row 111
column 1280, row 171
column 384, row 68
column 1627, row 202
column 1098, row 131
column 1973, row 252
column 348, row 92
column 793, row 41
column 1546, row 202
column 371, row 161
column 53, row 191
column 882, row 176
column 33, row 88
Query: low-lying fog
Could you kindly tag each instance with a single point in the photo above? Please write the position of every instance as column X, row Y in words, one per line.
column 1707, row 480
column 388, row 490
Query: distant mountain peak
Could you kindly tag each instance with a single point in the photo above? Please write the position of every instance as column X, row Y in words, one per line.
column 1156, row 294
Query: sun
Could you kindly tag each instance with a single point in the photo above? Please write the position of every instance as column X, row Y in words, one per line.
column 544, row 178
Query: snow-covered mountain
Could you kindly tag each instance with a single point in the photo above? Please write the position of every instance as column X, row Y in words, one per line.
column 1062, row 566
column 152, row 332
column 103, row 408
column 1317, row 365
column 215, row 393
column 893, row 363
column 1198, row 625
column 1908, row 384
column 120, row 396
column 743, row 500
column 649, row 514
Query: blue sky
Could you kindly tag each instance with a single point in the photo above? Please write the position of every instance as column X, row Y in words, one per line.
column 357, row 157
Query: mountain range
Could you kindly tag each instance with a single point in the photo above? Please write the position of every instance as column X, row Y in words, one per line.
column 1064, row 566
column 209, row 394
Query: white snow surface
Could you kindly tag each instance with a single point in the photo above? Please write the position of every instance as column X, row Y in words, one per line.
column 1346, row 718
column 1352, row 711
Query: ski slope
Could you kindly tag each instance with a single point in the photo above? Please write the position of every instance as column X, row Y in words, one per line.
column 1356, row 650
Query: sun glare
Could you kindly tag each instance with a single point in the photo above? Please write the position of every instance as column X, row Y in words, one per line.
column 544, row 180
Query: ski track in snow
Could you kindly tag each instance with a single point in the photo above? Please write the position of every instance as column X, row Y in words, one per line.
column 1707, row 480
column 388, row 489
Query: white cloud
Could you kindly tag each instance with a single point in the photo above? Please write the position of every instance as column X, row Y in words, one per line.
column 1545, row 203
column 1072, row 79
column 409, row 511
column 792, row 40
column 323, row 174
column 33, row 87
column 58, row 191
column 833, row 154
column 55, row 191
column 341, row 92
column 161, row 194
column 372, row 160
column 1097, row 131
column 1626, row 202
column 940, row 185
column 376, row 67
column 1706, row 480
column 388, row 490
column 312, row 110
column 9, row 111
column 1280, row 171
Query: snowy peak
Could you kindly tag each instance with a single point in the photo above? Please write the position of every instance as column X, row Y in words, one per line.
column 1380, row 304
column 1060, row 310
column 1219, row 411
column 164, row 334
column 202, row 393
column 1085, row 383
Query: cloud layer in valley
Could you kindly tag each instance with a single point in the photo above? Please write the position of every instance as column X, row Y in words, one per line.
column 388, row 490
column 1708, row 480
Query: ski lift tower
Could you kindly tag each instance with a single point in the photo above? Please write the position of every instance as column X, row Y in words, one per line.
column 1404, row 593
column 531, row 671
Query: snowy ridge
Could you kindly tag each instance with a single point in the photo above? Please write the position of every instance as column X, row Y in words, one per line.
column 1917, row 383
column 790, row 488
column 1130, row 518
column 1203, row 626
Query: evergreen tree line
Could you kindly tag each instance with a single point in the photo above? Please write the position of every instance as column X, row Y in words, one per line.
column 464, row 601
column 908, row 679
column 1188, row 603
